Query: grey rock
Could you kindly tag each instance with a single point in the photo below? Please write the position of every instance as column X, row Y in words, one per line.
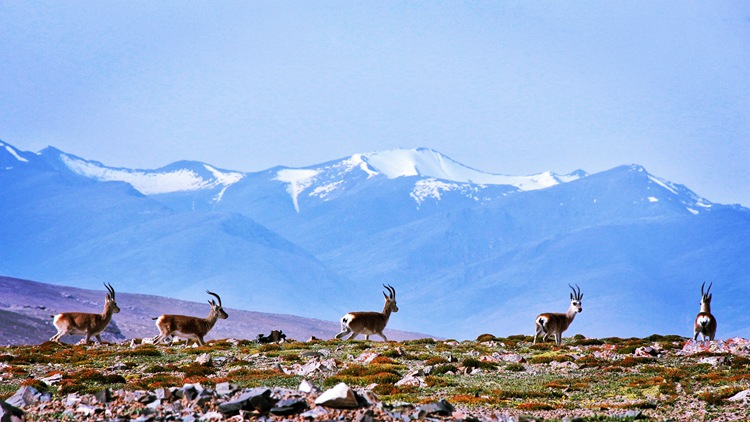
column 162, row 394
column 251, row 399
column 315, row 413
column 225, row 389
column 154, row 404
column 25, row 396
column 630, row 414
column 52, row 380
column 189, row 392
column 288, row 407
column 440, row 408
column 103, row 396
column 212, row 416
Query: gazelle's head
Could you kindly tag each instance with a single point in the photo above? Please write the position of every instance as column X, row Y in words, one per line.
column 216, row 308
column 575, row 299
column 390, row 299
column 110, row 301
column 706, row 297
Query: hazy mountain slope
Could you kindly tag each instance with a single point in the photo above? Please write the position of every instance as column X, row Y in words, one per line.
column 66, row 229
column 618, row 234
column 468, row 251
column 26, row 306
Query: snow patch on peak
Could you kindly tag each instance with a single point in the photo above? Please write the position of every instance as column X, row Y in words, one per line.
column 14, row 153
column 297, row 181
column 434, row 188
column 429, row 163
column 222, row 178
column 357, row 160
column 686, row 196
column 152, row 182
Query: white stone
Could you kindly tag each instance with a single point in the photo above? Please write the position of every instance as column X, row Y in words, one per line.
column 307, row 387
column 742, row 396
column 340, row 396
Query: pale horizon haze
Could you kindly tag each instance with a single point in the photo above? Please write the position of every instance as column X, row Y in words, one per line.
column 507, row 87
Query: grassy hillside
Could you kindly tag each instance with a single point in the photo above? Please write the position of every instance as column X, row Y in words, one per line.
column 656, row 378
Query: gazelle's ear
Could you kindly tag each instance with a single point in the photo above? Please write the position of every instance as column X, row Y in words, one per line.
column 385, row 296
column 571, row 296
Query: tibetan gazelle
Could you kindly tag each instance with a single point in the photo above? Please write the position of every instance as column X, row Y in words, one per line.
column 557, row 323
column 369, row 323
column 705, row 322
column 189, row 327
column 90, row 325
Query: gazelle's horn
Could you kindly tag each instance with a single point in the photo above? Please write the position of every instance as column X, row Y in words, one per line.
column 215, row 295
column 110, row 289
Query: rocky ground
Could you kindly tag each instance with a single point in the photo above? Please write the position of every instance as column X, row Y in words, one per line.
column 490, row 379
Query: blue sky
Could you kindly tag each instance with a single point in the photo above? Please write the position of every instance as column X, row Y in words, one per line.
column 511, row 87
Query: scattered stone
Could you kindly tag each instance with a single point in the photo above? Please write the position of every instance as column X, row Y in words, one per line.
column 176, row 392
column 340, row 396
column 190, row 391
column 145, row 397
column 366, row 416
column 225, row 389
column 25, row 396
column 311, row 354
column 86, row 410
column 713, row 360
column 411, row 379
column 307, row 387
column 204, row 359
column 743, row 396
column 367, row 398
column 103, row 396
column 288, row 407
column 72, row 399
column 736, row 346
column 439, row 408
column 563, row 365
column 316, row 365
column 630, row 414
column 251, row 399
column 512, row 358
column 154, row 404
column 366, row 358
column 52, row 379
column 315, row 413
column 648, row 352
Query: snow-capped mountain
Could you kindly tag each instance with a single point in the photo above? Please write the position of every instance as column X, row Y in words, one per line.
column 435, row 174
column 477, row 252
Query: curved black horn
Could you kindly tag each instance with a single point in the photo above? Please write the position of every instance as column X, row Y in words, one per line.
column 110, row 289
column 215, row 295
column 576, row 294
column 709, row 287
column 391, row 290
column 702, row 286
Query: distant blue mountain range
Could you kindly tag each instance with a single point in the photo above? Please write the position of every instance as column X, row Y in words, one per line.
column 469, row 252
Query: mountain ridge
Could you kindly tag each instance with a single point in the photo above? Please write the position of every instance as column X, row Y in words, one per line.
column 479, row 258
